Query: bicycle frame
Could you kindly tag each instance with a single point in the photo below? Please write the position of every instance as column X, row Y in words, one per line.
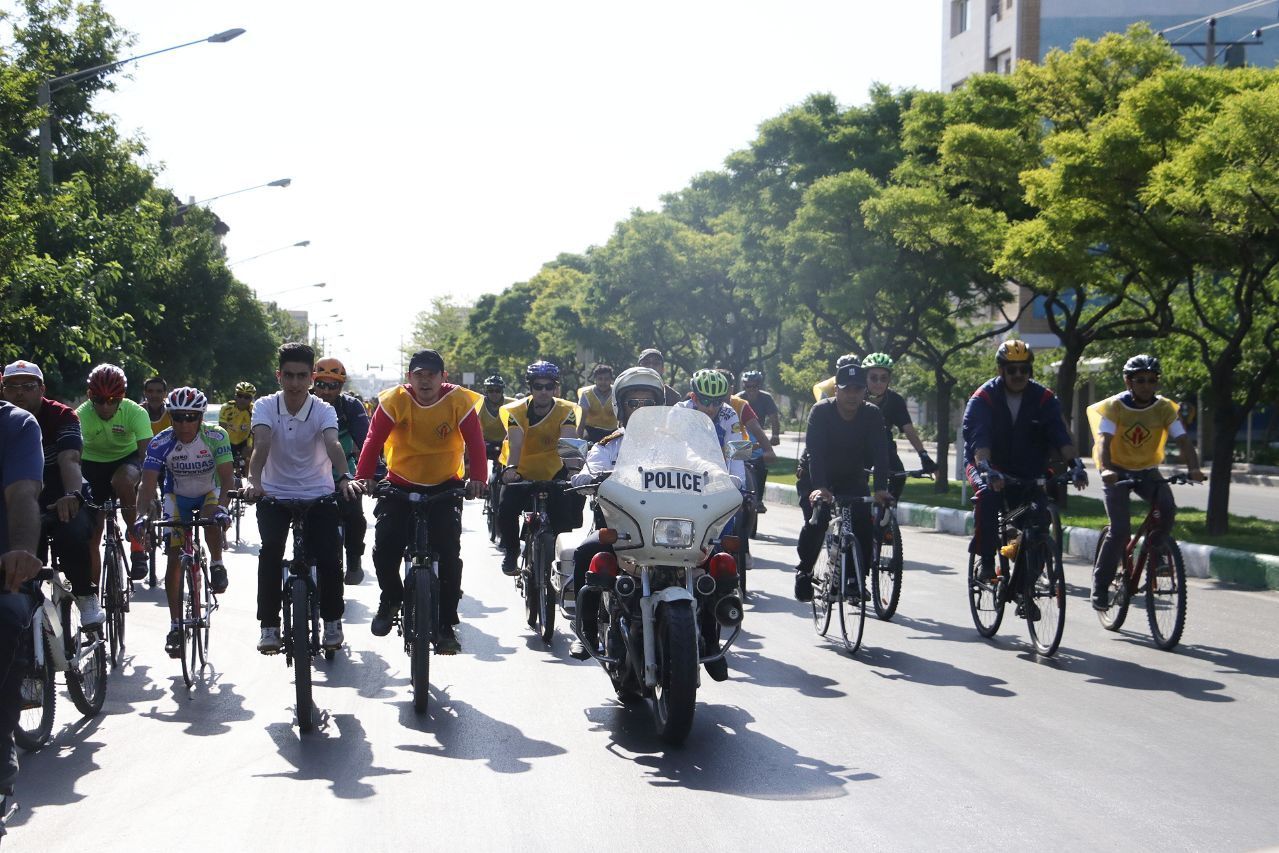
column 1137, row 562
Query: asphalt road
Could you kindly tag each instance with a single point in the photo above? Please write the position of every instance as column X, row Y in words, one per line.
column 929, row 738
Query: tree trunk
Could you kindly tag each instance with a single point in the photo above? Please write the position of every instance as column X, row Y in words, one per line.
column 1067, row 378
column 945, row 385
column 1225, row 423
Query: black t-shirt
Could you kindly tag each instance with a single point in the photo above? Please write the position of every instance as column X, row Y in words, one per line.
column 59, row 431
column 763, row 404
column 893, row 408
column 840, row 450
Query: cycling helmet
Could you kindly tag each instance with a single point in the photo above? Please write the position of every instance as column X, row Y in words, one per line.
column 1142, row 364
column 753, row 376
column 186, row 399
column 542, row 370
column 878, row 359
column 1014, row 352
column 246, row 388
column 495, row 381
column 633, row 379
column 710, row 383
column 848, row 358
column 331, row 370
column 107, row 380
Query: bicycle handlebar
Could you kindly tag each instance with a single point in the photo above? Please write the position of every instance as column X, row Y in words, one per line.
column 386, row 489
column 198, row 522
column 1177, row 479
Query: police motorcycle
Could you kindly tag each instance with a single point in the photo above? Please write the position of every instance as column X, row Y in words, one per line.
column 663, row 597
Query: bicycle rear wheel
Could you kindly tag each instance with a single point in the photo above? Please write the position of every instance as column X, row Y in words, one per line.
column 743, row 555
column 1166, row 593
column 113, row 604
column 1112, row 618
column 985, row 600
column 187, row 628
column 300, row 630
column 825, row 578
column 422, row 633
column 87, row 675
column 852, row 599
column 886, row 577
column 1045, row 597
column 37, row 701
column 545, row 553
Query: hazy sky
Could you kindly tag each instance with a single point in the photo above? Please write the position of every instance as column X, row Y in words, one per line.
column 452, row 148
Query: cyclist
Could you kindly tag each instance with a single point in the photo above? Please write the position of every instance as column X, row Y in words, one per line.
column 634, row 389
column 296, row 450
column 845, row 438
column 710, row 396
column 353, row 426
column 490, row 411
column 153, row 393
column 534, row 427
column 1011, row 423
column 821, row 391
column 424, row 425
column 195, row 462
column 596, row 402
column 72, row 525
column 1130, row 431
column 116, row 433
column 760, row 402
column 879, row 373
column 236, row 419
column 655, row 361
column 20, row 470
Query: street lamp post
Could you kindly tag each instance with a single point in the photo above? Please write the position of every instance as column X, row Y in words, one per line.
column 44, row 93
column 299, row 287
column 279, row 182
column 301, row 244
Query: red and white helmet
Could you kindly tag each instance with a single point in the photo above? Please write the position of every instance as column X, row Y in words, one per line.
column 107, row 380
column 186, row 399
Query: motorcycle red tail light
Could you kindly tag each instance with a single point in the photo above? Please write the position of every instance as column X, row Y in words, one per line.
column 529, row 516
column 604, row 563
column 723, row 566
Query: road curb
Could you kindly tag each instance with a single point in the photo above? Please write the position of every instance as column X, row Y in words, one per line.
column 1202, row 561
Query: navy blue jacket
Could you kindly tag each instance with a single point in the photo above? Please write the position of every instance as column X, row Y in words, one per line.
column 1022, row 448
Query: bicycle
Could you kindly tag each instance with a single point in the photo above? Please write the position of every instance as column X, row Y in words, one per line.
column 300, row 628
column 56, row 643
column 836, row 584
column 152, row 541
column 197, row 613
column 886, row 571
column 115, row 587
column 1036, row 581
column 537, row 554
column 419, row 619
column 493, row 499
column 1164, row 571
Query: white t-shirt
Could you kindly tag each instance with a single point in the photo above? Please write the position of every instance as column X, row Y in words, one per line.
column 297, row 465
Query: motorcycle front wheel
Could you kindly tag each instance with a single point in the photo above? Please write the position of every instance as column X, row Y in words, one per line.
column 676, row 694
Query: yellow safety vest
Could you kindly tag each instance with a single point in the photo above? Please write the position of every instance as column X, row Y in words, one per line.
column 425, row 446
column 539, row 456
column 1140, row 434
column 598, row 413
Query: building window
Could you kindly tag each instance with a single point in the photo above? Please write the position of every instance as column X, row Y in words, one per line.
column 960, row 11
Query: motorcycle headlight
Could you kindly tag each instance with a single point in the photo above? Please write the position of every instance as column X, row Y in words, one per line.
column 673, row 532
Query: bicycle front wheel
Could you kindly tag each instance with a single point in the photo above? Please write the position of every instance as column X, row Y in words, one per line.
column 113, row 604
column 300, row 630
column 87, row 662
column 852, row 604
column 886, row 577
column 37, row 699
column 422, row 632
column 985, row 600
column 528, row 580
column 1112, row 618
column 825, row 579
column 1166, row 593
column 1045, row 597
column 187, row 629
column 546, row 592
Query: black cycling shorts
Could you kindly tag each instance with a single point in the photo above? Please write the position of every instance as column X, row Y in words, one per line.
column 99, row 475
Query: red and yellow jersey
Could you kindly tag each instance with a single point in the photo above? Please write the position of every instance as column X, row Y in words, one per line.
column 493, row 426
column 159, row 426
column 539, row 454
column 1140, row 435
column 598, row 412
column 425, row 446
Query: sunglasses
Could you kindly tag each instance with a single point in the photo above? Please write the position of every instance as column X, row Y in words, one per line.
column 542, row 386
column 709, row 401
column 1017, row 369
column 639, row 403
column 104, row 401
column 327, row 385
column 752, row 387
column 1135, row 380
column 21, row 386
column 244, row 396
column 185, row 417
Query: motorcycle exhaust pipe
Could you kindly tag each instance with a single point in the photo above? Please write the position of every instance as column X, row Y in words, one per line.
column 728, row 611
column 705, row 585
column 624, row 586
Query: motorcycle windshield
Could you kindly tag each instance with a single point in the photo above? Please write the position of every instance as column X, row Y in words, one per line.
column 671, row 448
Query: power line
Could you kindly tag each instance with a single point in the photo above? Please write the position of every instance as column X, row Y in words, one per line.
column 1235, row 10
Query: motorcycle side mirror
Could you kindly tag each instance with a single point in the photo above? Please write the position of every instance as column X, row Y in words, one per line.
column 738, row 449
column 572, row 448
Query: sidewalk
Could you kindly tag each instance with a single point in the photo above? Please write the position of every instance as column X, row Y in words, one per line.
column 1260, row 571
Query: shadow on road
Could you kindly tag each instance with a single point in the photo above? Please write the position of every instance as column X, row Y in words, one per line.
column 466, row 733
column 344, row 758
column 49, row 777
column 206, row 707
column 919, row 670
column 480, row 645
column 931, row 568
column 758, row 601
column 474, row 608
column 356, row 613
column 756, row 668
column 370, row 676
column 1225, row 660
column 719, row 747
column 1129, row 675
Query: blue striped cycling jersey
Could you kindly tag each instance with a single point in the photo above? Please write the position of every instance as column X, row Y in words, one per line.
column 190, row 470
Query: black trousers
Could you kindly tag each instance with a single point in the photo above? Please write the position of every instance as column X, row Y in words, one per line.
column 564, row 508
column 354, row 526
column 322, row 546
column 813, row 533
column 393, row 534
column 15, row 619
column 587, row 602
column 71, row 543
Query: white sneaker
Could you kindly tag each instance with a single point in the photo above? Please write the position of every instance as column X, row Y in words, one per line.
column 332, row 634
column 91, row 615
column 269, row 644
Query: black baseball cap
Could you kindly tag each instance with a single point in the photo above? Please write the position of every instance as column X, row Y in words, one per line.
column 428, row 359
column 851, row 375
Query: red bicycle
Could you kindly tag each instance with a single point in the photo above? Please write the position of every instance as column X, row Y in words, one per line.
column 198, row 598
column 1156, row 569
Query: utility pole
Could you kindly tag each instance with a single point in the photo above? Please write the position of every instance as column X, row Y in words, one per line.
column 1210, row 44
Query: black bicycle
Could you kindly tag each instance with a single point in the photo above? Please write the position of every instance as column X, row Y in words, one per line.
column 115, row 587
column 493, row 499
column 886, row 560
column 1028, row 569
column 537, row 556
column 839, row 580
column 300, row 628
column 419, row 619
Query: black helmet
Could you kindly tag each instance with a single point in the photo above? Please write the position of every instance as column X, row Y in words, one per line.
column 753, row 376
column 495, row 381
column 1142, row 364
